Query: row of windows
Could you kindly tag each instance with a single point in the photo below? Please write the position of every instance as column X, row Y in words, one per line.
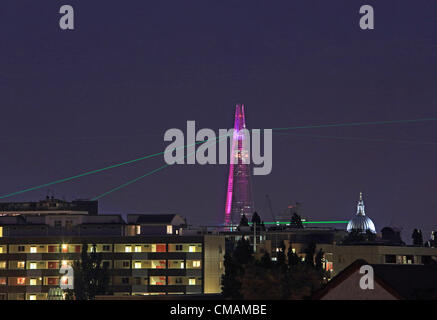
column 40, row 281
column 158, row 281
column 65, row 280
column 118, row 248
column 116, row 264
column 408, row 259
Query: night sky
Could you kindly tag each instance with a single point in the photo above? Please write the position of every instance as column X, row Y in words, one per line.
column 74, row 101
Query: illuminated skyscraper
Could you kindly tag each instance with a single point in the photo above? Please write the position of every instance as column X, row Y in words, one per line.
column 239, row 193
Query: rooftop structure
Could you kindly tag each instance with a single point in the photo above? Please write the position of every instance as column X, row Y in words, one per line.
column 49, row 206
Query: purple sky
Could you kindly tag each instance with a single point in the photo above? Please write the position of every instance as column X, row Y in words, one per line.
column 107, row 91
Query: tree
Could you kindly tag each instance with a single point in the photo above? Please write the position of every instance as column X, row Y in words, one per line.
column 259, row 283
column 319, row 260
column 417, row 238
column 256, row 218
column 235, row 264
column 292, row 257
column 279, row 282
column 266, row 261
column 296, row 221
column 243, row 252
column 247, row 278
column 309, row 253
column 243, row 221
column 90, row 275
column 256, row 221
column 230, row 284
column 302, row 282
column 280, row 255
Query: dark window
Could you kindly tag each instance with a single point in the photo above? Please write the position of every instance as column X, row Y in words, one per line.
column 125, row 280
column 68, row 224
column 106, row 264
column 106, row 248
column 179, row 247
column 427, row 260
column 126, row 264
column 21, row 248
column 390, row 258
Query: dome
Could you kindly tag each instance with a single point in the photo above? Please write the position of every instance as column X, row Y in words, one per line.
column 360, row 221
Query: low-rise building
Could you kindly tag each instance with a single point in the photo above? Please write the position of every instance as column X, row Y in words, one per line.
column 145, row 255
column 382, row 282
column 137, row 265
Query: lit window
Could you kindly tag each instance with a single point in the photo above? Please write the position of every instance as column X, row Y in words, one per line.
column 33, row 282
column 196, row 264
column 192, row 249
column 2, row 264
column 1, row 249
column 169, row 229
column 64, row 248
column 32, row 265
column 137, row 265
column 1, row 232
column 64, row 263
column 192, row 281
column 64, row 280
column 21, row 281
column 137, row 248
column 138, row 229
column 32, row 297
column 20, row 264
column 127, row 249
column 32, row 249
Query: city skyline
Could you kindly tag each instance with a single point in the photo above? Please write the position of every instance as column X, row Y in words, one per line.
column 102, row 94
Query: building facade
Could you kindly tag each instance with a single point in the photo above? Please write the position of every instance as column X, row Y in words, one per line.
column 137, row 265
column 148, row 254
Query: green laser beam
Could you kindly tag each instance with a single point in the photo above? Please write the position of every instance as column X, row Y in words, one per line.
column 93, row 171
column 149, row 173
column 356, row 138
column 163, row 152
column 129, row 182
column 308, row 222
column 354, row 124
column 289, row 128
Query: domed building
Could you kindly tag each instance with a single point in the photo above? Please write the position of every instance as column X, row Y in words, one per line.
column 360, row 221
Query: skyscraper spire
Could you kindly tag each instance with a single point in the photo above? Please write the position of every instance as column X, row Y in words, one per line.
column 239, row 193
